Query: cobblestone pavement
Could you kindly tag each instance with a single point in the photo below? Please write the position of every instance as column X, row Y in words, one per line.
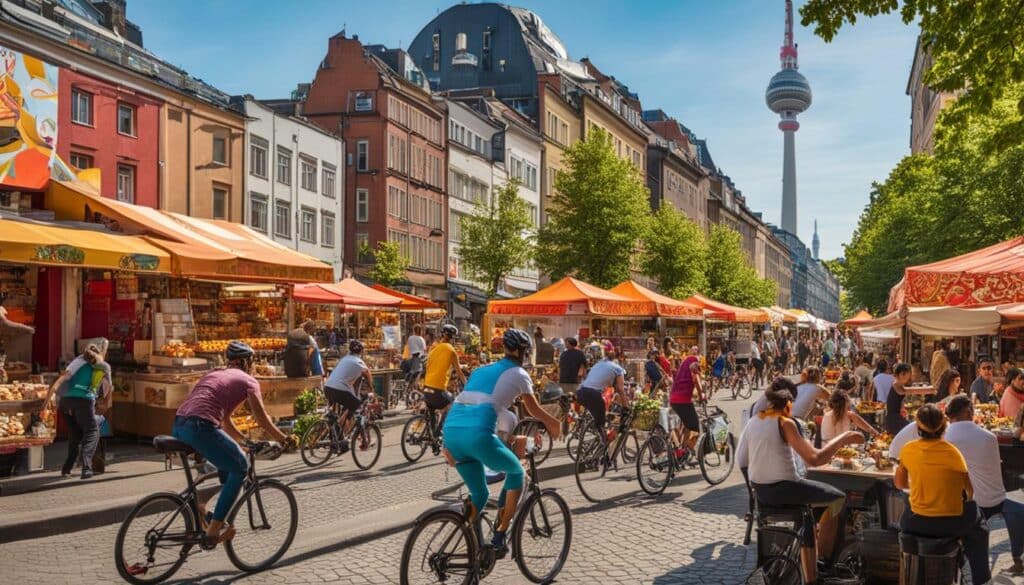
column 692, row 534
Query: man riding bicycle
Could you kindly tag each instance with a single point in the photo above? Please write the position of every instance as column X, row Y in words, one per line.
column 686, row 387
column 340, row 388
column 603, row 374
column 204, row 422
column 470, row 430
column 440, row 363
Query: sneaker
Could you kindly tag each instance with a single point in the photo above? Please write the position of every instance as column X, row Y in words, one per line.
column 86, row 473
column 1018, row 567
column 499, row 545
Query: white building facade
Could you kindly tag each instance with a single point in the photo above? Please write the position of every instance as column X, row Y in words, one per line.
column 293, row 183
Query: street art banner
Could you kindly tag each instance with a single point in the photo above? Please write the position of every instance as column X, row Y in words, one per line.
column 28, row 122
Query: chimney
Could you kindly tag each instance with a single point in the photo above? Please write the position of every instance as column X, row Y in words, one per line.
column 113, row 12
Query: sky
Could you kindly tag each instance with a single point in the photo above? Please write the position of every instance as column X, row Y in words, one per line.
column 705, row 63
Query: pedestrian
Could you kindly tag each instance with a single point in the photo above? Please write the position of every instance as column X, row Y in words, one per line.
column 803, row 351
column 572, row 367
column 299, row 350
column 882, row 382
column 939, row 362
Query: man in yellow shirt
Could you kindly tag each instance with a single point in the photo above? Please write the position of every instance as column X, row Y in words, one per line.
column 440, row 363
column 941, row 503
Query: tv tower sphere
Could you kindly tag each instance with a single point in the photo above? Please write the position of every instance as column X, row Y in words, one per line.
column 788, row 94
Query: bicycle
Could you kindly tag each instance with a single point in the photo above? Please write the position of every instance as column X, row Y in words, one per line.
column 460, row 558
column 595, row 456
column 657, row 463
column 169, row 525
column 326, row 436
column 421, row 431
column 741, row 385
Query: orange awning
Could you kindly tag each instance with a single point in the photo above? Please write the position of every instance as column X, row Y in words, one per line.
column 571, row 296
column 860, row 318
column 666, row 307
column 409, row 302
column 724, row 312
column 349, row 292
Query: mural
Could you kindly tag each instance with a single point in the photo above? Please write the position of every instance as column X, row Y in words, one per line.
column 28, row 122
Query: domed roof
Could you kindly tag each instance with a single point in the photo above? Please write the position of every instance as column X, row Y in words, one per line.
column 788, row 90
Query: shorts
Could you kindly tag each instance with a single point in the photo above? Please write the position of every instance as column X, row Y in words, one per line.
column 688, row 414
column 819, row 496
column 593, row 401
column 347, row 400
column 758, row 365
column 437, row 399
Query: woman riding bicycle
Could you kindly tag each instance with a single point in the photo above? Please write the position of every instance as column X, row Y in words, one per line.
column 470, row 429
column 204, row 422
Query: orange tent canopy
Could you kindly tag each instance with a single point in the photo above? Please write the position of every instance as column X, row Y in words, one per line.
column 347, row 292
column 666, row 307
column 860, row 318
column 724, row 312
column 571, row 296
column 409, row 302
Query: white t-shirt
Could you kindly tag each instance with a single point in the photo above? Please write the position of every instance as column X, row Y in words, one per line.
column 806, row 394
column 980, row 449
column 755, row 352
column 906, row 435
column 416, row 345
column 344, row 375
column 883, row 383
column 602, row 375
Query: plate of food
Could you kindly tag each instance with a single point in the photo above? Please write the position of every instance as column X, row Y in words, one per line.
column 870, row 407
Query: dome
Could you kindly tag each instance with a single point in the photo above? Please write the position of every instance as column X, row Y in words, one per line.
column 788, row 91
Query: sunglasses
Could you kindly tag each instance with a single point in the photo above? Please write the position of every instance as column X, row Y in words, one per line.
column 986, row 367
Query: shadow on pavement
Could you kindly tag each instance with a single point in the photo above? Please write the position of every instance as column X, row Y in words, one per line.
column 721, row 562
column 723, row 501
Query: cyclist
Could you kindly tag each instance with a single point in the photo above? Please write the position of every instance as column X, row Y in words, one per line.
column 605, row 373
column 204, row 422
column 340, row 389
column 655, row 371
column 440, row 363
column 685, row 387
column 470, row 430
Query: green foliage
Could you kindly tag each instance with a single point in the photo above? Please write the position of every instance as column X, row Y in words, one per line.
column 974, row 44
column 599, row 213
column 730, row 279
column 389, row 264
column 496, row 238
column 837, row 266
column 303, row 423
column 305, row 402
column 675, row 253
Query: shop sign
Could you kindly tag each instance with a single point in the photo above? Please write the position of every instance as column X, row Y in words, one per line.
column 60, row 254
column 139, row 262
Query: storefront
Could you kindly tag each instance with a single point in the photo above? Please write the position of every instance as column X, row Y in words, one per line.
column 729, row 328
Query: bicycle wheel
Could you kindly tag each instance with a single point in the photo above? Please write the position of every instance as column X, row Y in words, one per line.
column 530, row 427
column 269, row 517
column 630, row 448
column 716, row 463
column 414, row 438
column 542, row 536
column 440, row 549
column 654, row 464
column 776, row 570
column 149, row 546
column 366, row 445
column 590, row 456
column 745, row 389
column 316, row 444
column 572, row 439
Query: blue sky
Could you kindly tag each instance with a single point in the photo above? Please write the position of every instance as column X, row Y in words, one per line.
column 707, row 63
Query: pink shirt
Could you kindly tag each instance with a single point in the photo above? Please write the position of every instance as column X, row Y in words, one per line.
column 1010, row 403
column 682, row 384
column 218, row 393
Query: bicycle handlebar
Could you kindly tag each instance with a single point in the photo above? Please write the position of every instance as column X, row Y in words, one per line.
column 268, row 450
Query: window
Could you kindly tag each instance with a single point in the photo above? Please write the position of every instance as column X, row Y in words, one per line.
column 362, row 155
column 327, row 229
column 126, row 183
column 362, row 205
column 220, row 149
column 258, row 212
column 398, row 203
column 283, row 219
column 80, row 161
column 307, row 176
column 126, row 119
column 258, row 156
column 364, row 101
column 328, row 179
column 81, row 108
column 307, row 230
column 436, row 54
column 284, row 166
column 220, row 203
column 363, row 252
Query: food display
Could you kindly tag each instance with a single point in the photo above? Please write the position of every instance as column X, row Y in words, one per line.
column 12, row 425
column 257, row 343
column 866, row 407
column 177, row 349
column 244, row 423
column 19, row 391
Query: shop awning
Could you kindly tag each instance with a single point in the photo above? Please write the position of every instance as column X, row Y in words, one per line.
column 859, row 319
column 938, row 321
column 666, row 307
column 349, row 292
column 573, row 297
column 409, row 302
column 724, row 312
column 46, row 244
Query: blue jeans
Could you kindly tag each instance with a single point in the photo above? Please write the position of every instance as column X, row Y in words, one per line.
column 472, row 448
column 219, row 449
column 1013, row 515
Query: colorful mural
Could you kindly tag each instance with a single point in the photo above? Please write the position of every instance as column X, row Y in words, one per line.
column 28, row 122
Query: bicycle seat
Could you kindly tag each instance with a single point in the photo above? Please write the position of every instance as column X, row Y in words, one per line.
column 168, row 444
column 929, row 546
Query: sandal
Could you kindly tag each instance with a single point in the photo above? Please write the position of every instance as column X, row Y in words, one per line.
column 225, row 535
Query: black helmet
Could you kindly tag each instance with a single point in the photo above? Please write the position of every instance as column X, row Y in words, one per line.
column 516, row 339
column 449, row 330
column 355, row 346
column 238, row 350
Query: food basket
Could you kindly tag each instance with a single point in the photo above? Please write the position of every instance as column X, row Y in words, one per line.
column 645, row 420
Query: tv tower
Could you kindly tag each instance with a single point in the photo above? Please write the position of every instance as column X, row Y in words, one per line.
column 788, row 94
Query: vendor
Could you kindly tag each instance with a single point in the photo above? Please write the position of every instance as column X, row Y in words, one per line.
column 894, row 420
column 941, row 494
column 298, row 353
column 6, row 323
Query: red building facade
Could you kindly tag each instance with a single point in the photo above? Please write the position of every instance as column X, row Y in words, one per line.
column 115, row 130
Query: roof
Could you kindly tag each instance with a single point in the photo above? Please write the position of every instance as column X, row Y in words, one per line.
column 860, row 318
column 571, row 296
column 666, row 307
column 409, row 302
column 725, row 312
column 349, row 292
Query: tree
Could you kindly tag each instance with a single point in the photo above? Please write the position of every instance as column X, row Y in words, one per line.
column 675, row 253
column 730, row 279
column 496, row 238
column 974, row 44
column 389, row 264
column 599, row 213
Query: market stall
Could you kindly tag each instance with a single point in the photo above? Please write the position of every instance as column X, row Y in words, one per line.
column 728, row 328
column 681, row 321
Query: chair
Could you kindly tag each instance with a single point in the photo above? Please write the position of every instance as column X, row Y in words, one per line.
column 926, row 560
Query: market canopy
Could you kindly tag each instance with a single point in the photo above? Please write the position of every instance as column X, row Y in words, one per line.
column 349, row 292
column 409, row 302
column 860, row 318
column 990, row 276
column 724, row 312
column 48, row 244
column 573, row 297
column 665, row 306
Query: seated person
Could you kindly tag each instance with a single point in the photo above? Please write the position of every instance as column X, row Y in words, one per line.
column 947, row 388
column 1013, row 396
column 838, row 418
column 808, row 394
column 766, row 450
column 982, row 387
column 941, row 495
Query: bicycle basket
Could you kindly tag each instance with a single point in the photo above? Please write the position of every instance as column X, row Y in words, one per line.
column 720, row 431
column 646, row 420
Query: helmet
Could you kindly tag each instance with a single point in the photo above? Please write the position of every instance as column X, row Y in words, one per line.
column 516, row 339
column 238, row 350
column 355, row 346
column 449, row 330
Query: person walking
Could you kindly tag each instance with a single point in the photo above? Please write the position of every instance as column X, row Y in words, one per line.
column 77, row 391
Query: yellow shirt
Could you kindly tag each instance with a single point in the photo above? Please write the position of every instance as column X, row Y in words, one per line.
column 440, row 362
column 938, row 477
